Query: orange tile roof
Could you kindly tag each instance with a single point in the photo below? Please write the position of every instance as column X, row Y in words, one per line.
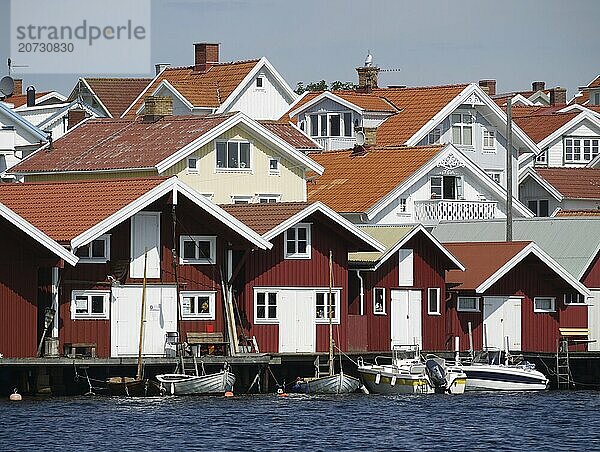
column 201, row 89
column 291, row 135
column 370, row 102
column 117, row 93
column 111, row 144
column 18, row 100
column 63, row 210
column 354, row 183
column 266, row 216
column 519, row 111
column 584, row 93
column 576, row 183
column 481, row 260
column 538, row 127
column 579, row 213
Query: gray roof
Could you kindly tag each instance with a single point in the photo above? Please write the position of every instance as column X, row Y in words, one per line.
column 388, row 236
column 572, row 242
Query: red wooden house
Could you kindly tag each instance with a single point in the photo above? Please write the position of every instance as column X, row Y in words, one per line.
column 514, row 290
column 398, row 297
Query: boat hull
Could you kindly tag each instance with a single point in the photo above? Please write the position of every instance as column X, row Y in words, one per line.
column 179, row 384
column 331, row 384
column 130, row 387
column 504, row 378
column 380, row 381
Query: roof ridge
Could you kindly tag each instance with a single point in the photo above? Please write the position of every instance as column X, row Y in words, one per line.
column 451, row 85
column 83, row 181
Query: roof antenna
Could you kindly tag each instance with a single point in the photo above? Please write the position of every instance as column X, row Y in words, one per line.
column 50, row 141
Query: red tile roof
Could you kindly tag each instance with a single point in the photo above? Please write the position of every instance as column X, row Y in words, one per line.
column 354, row 183
column 579, row 213
column 116, row 94
column 540, row 126
column 369, row 102
column 264, row 217
column 481, row 260
column 111, row 144
column 63, row 210
column 291, row 135
column 201, row 89
column 18, row 100
column 576, row 183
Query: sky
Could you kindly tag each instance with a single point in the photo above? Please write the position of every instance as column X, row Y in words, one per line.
column 418, row 42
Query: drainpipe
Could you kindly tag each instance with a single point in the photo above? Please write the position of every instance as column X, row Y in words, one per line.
column 362, row 293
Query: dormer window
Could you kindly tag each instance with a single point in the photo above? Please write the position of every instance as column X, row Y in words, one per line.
column 338, row 124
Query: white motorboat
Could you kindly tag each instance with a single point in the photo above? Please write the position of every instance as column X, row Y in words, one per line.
column 183, row 384
column 408, row 373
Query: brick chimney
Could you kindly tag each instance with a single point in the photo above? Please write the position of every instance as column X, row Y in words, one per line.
column 205, row 55
column 489, row 86
column 558, row 96
column 18, row 86
column 538, row 86
column 158, row 68
column 155, row 107
column 74, row 117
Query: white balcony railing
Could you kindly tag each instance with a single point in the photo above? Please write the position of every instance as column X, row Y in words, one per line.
column 334, row 143
column 435, row 210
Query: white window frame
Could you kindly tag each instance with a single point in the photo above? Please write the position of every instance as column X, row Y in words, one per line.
column 95, row 260
column 194, row 159
column 325, row 117
column 537, row 203
column 569, row 296
column 462, row 309
column 434, row 136
column 277, row 171
column 542, row 157
column 593, row 144
column 226, row 168
column 197, row 315
column 196, row 239
column 105, row 294
column 488, row 149
column 242, row 199
column 270, row 197
column 544, row 310
column 403, row 207
column 262, row 83
column 296, row 255
column 459, row 189
column 495, row 175
column 383, row 310
column 336, row 314
column 266, row 319
column 462, row 125
column 438, row 292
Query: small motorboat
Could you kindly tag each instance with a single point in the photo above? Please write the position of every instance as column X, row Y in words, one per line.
column 409, row 373
column 199, row 384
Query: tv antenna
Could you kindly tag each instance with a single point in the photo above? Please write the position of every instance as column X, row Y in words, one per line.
column 11, row 66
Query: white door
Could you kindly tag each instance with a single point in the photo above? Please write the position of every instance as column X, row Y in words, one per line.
column 405, row 317
column 297, row 326
column 145, row 238
column 594, row 320
column 160, row 317
column 501, row 318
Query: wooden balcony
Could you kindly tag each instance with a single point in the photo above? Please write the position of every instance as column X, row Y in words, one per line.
column 435, row 210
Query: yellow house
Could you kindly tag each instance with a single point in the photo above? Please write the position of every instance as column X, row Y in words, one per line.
column 229, row 158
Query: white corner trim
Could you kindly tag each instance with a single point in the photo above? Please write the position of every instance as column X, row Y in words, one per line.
column 520, row 98
column 37, row 235
column 532, row 248
column 326, row 95
column 532, row 173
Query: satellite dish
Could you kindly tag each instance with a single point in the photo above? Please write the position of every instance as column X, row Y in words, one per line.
column 7, row 86
column 360, row 138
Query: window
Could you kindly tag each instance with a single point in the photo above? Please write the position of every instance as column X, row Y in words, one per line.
column 446, row 187
column 462, row 129
column 314, row 125
column 265, row 307
column 596, row 99
column 402, row 209
column 495, row 175
column 96, row 252
column 197, row 249
column 543, row 304
column 274, row 166
column 405, row 267
column 233, row 155
column 323, row 309
column 489, row 140
column 434, row 136
column 542, row 157
column 468, row 304
column 241, row 199
column 297, row 242
column 379, row 300
column 574, row 298
column 259, row 82
column 581, row 150
column 192, row 165
column 331, row 124
column 89, row 304
column 348, row 124
column 198, row 305
column 539, row 207
column 433, row 301
column 266, row 199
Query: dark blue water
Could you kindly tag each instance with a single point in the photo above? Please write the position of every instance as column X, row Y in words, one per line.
column 481, row 421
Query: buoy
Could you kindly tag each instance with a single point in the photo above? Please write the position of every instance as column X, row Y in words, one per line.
column 280, row 393
column 15, row 396
column 228, row 394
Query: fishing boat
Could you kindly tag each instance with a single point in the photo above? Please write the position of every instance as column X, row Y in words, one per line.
column 206, row 384
column 408, row 373
column 327, row 381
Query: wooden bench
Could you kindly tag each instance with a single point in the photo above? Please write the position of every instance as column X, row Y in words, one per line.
column 570, row 332
column 80, row 350
column 197, row 341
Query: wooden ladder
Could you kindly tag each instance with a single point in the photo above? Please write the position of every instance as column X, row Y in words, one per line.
column 321, row 369
column 564, row 378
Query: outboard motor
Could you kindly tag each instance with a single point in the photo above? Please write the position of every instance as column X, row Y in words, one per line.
column 437, row 376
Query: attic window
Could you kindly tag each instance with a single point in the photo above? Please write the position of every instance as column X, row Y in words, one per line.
column 259, row 82
column 434, row 137
column 96, row 252
column 192, row 165
column 233, row 155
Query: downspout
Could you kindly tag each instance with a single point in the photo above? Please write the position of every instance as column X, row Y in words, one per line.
column 361, row 293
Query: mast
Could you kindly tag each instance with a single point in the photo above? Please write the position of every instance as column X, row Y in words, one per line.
column 330, row 310
column 142, row 319
column 176, row 270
